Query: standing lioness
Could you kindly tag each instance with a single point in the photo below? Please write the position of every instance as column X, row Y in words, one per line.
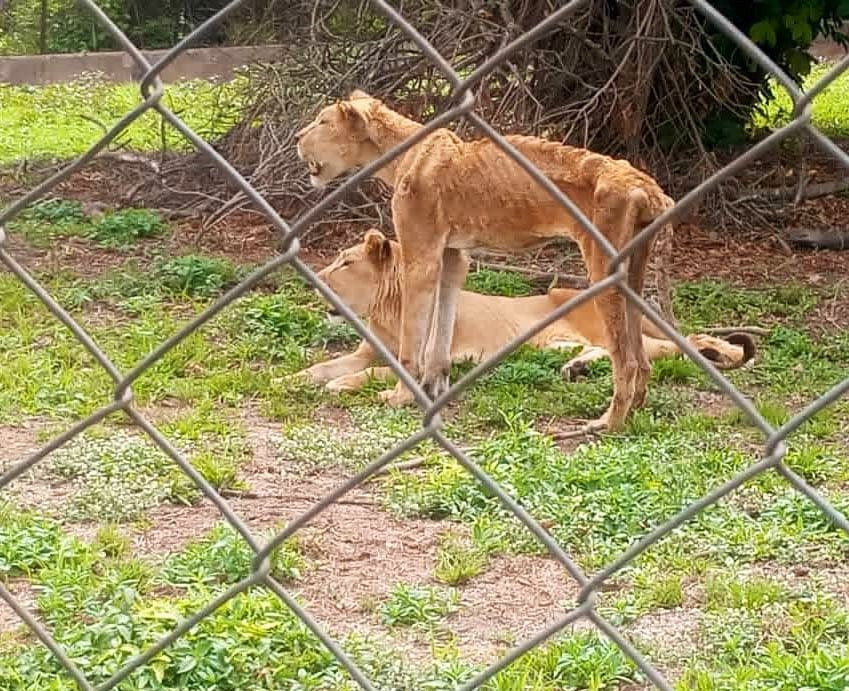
column 367, row 276
column 451, row 195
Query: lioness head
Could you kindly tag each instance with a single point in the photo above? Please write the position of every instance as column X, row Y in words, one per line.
column 336, row 140
column 359, row 274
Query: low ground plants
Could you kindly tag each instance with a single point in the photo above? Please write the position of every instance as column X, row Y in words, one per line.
column 409, row 605
column 730, row 574
column 118, row 477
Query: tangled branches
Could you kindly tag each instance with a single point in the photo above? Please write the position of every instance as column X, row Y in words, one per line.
column 644, row 79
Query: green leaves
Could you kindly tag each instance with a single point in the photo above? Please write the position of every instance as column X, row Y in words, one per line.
column 120, row 229
column 764, row 32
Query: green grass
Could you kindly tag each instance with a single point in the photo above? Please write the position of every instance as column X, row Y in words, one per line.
column 595, row 499
column 829, row 107
column 706, row 303
column 242, row 355
column 63, row 120
column 604, row 493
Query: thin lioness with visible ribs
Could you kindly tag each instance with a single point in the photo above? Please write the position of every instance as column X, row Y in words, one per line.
column 451, row 195
column 367, row 276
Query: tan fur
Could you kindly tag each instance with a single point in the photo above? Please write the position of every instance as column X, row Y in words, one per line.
column 368, row 278
column 452, row 195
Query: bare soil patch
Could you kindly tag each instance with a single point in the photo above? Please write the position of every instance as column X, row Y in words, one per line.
column 25, row 595
column 357, row 552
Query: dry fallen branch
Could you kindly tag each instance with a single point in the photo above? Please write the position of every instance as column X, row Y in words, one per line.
column 819, row 238
column 537, row 276
column 727, row 330
column 797, row 194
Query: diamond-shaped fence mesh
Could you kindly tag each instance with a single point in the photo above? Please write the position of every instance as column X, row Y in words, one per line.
column 463, row 106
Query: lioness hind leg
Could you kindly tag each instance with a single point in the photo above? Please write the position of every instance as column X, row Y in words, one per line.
column 615, row 216
column 637, row 266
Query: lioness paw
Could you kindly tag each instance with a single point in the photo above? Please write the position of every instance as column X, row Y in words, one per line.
column 574, row 370
column 396, row 397
column 341, row 384
column 435, row 385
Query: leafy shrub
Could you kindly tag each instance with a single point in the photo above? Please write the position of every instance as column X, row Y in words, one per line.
column 56, row 211
column 196, row 275
column 120, row 229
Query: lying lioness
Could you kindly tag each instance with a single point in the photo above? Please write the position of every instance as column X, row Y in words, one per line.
column 367, row 277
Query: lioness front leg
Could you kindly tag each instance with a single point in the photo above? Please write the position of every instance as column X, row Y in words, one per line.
column 418, row 300
column 437, row 367
column 578, row 366
column 357, row 380
column 323, row 372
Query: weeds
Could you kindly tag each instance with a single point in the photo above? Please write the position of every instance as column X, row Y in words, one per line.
column 222, row 558
column 409, row 605
column 457, row 562
column 196, row 275
column 372, row 432
column 492, row 282
column 28, row 542
column 121, row 229
column 118, row 477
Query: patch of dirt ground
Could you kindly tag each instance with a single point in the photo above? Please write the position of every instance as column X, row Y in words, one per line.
column 24, row 594
column 357, row 552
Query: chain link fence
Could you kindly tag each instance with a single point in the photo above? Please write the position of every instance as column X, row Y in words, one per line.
column 464, row 103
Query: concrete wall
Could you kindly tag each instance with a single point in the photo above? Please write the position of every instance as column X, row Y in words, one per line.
column 206, row 63
column 118, row 67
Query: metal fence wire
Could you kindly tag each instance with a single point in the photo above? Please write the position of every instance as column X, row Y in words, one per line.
column 464, row 102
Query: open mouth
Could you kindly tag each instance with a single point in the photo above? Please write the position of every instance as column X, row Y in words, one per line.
column 314, row 168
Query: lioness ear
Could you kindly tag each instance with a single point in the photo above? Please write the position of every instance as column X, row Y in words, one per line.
column 377, row 245
column 355, row 116
column 357, row 94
